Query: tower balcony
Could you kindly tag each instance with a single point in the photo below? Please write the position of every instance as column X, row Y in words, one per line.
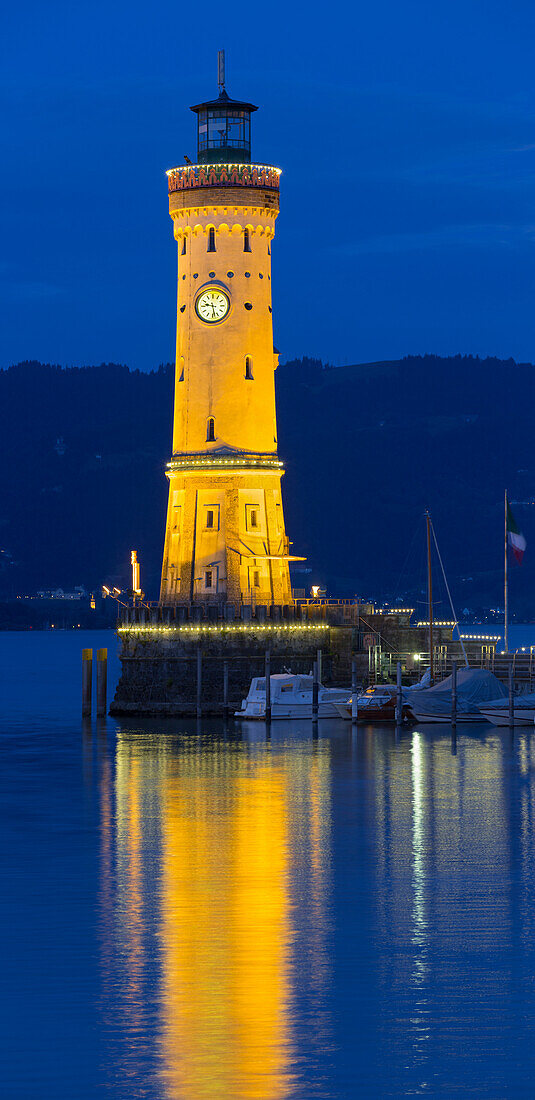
column 191, row 177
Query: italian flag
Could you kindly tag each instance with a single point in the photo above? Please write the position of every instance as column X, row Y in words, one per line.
column 515, row 538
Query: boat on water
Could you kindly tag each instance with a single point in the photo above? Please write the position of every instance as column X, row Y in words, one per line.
column 291, row 697
column 475, row 688
column 497, row 710
column 376, row 704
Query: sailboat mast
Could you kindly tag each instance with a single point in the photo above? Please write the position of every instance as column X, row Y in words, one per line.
column 430, row 598
column 505, row 584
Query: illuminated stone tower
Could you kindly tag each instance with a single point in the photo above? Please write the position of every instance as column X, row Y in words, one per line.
column 225, row 537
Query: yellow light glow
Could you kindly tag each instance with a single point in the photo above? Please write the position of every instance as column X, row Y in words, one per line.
column 147, row 628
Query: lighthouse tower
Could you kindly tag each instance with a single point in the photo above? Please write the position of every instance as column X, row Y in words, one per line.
column 225, row 537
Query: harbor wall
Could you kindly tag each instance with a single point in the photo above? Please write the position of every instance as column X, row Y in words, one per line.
column 160, row 667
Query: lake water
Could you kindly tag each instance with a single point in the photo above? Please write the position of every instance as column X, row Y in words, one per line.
column 191, row 913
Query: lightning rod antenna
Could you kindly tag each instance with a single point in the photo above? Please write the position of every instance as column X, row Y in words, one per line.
column 221, row 70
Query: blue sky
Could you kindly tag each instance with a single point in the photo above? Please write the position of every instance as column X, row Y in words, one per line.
column 406, row 135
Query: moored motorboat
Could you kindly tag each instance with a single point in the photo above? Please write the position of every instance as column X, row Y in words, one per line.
column 376, row 704
column 475, row 688
column 291, row 697
column 497, row 710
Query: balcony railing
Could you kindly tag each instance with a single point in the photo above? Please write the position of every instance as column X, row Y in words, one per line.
column 190, row 177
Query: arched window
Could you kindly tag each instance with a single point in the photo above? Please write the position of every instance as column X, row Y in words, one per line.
column 183, row 246
column 248, row 367
column 246, row 240
column 211, row 239
column 210, row 430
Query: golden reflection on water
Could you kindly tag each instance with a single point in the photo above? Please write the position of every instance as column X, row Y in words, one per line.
column 220, row 843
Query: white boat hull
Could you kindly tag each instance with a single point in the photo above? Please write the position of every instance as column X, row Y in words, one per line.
column 304, row 710
column 524, row 716
column 464, row 719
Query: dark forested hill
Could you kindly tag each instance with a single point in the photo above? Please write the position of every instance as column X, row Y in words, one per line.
column 367, row 449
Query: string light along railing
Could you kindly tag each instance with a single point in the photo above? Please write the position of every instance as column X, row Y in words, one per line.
column 143, row 628
column 186, row 462
column 438, row 622
column 480, row 637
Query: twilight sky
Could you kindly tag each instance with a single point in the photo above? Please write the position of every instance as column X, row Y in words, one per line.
column 406, row 135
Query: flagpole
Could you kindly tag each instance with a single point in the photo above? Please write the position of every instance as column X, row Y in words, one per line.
column 506, row 586
column 430, row 599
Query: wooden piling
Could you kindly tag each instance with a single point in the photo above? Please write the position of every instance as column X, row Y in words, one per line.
column 225, row 689
column 87, row 682
column 315, row 692
column 511, row 694
column 399, row 696
column 454, row 692
column 102, row 681
column 320, row 665
column 354, row 704
column 199, row 682
column 267, row 675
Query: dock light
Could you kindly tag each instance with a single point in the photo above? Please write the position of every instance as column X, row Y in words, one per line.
column 315, row 590
column 116, row 591
column 106, row 590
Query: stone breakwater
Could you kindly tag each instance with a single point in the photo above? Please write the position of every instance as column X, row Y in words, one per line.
column 160, row 668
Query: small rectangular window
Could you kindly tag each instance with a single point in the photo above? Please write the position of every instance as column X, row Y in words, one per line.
column 246, row 241
column 256, row 578
column 208, row 578
column 183, row 246
column 248, row 367
column 254, row 520
column 211, row 240
column 210, row 518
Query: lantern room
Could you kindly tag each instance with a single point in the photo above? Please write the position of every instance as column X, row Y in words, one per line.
column 224, row 130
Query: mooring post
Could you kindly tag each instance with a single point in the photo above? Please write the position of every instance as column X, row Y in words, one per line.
column 102, row 681
column 511, row 694
column 87, row 682
column 454, row 693
column 319, row 664
column 267, row 675
column 399, row 696
column 315, row 692
column 199, row 681
column 225, row 689
column 354, row 704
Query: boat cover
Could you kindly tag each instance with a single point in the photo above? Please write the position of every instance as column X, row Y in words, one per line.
column 525, row 701
column 475, row 686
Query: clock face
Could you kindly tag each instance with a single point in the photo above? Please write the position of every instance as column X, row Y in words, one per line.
column 212, row 305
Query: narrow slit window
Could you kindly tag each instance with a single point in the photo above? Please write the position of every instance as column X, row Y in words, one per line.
column 256, row 579
column 246, row 240
column 248, row 367
column 209, row 518
column 254, row 522
column 208, row 578
column 183, row 246
column 211, row 239
column 210, row 430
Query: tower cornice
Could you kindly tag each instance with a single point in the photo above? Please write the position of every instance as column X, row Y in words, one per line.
column 192, row 177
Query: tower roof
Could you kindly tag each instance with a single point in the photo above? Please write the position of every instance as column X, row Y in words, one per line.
column 223, row 100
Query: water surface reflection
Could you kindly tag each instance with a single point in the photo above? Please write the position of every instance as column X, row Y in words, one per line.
column 219, row 845
column 299, row 917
